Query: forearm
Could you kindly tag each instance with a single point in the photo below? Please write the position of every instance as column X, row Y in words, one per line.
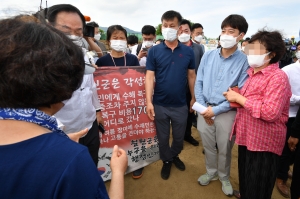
column 149, row 87
column 95, row 47
column 221, row 108
column 241, row 100
column 116, row 189
column 191, row 80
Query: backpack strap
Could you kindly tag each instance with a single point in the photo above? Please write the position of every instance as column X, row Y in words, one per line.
column 138, row 49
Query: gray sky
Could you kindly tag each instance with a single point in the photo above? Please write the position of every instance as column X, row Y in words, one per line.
column 281, row 15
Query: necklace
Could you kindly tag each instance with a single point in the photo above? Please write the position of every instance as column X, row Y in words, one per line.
column 114, row 60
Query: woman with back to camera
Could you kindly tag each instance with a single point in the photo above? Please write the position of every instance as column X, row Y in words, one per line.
column 117, row 40
column 260, row 123
column 40, row 68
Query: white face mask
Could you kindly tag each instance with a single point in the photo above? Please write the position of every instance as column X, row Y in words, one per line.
column 169, row 34
column 198, row 38
column 256, row 61
column 184, row 37
column 228, row 41
column 243, row 48
column 76, row 40
column 118, row 45
column 97, row 36
column 298, row 54
column 148, row 43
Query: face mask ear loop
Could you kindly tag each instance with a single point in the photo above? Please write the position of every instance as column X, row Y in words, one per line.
column 266, row 55
column 238, row 36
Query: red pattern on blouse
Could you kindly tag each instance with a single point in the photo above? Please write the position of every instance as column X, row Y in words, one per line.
column 260, row 125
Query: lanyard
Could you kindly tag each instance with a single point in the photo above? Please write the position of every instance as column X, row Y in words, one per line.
column 114, row 60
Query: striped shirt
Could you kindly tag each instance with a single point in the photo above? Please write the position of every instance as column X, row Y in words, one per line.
column 260, row 125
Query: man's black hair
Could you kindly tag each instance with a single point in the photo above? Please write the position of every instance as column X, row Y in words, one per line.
column 148, row 30
column 132, row 40
column 54, row 10
column 184, row 21
column 196, row 25
column 170, row 15
column 237, row 22
column 93, row 24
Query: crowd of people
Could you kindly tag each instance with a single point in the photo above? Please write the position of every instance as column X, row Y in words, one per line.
column 47, row 67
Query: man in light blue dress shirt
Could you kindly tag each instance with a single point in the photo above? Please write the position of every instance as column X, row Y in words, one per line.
column 220, row 69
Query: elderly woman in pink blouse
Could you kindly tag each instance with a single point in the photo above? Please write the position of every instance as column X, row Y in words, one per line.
column 260, row 122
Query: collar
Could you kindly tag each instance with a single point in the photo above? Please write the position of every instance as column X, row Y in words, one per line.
column 235, row 52
column 31, row 115
column 178, row 45
column 267, row 70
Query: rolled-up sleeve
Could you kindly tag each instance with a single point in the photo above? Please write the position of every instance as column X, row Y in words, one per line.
column 270, row 107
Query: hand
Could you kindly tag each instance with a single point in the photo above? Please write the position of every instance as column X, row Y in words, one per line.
column 292, row 142
column 95, row 66
column 142, row 54
column 208, row 113
column 89, row 39
column 119, row 161
column 99, row 118
column 231, row 95
column 209, row 121
column 76, row 136
column 150, row 111
column 193, row 100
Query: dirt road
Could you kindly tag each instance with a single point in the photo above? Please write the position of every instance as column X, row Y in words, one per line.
column 181, row 184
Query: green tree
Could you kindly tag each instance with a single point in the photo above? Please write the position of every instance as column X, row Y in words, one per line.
column 101, row 31
column 158, row 29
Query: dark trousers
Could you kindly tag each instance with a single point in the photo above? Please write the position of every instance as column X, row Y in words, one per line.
column 287, row 157
column 190, row 117
column 92, row 141
column 163, row 116
column 257, row 173
column 295, row 186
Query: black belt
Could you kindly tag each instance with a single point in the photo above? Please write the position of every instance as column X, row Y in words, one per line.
column 211, row 104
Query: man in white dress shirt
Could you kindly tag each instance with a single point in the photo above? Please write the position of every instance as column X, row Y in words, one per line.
column 287, row 157
column 82, row 110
